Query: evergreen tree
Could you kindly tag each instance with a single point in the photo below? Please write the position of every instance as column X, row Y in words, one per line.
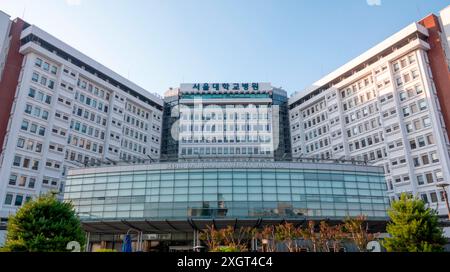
column 413, row 227
column 43, row 225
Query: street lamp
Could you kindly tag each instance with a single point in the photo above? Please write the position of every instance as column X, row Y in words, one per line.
column 444, row 187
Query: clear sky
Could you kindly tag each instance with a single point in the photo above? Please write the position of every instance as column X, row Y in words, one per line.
column 161, row 43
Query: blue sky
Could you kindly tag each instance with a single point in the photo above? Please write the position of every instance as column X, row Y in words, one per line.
column 161, row 43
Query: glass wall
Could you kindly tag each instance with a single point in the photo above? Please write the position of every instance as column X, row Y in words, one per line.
column 221, row 193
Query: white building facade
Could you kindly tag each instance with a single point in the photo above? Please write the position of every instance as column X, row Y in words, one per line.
column 69, row 111
column 383, row 108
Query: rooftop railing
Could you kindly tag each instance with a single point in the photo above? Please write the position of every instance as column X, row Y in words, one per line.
column 125, row 162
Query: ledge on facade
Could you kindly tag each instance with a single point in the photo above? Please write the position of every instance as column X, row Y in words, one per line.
column 109, row 162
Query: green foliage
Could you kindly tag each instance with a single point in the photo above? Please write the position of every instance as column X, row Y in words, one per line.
column 413, row 227
column 227, row 249
column 105, row 250
column 2, row 250
column 43, row 225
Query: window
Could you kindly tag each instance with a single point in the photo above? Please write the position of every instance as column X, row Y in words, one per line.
column 410, row 93
column 413, row 145
column 22, row 181
column 414, row 108
column 45, row 115
column 394, row 162
column 38, row 147
column 32, row 93
column 403, row 63
column 403, row 96
column 425, row 160
column 406, row 112
column 439, row 176
column 421, row 141
column 38, row 62
column 8, row 199
column 434, row 198
column 20, row 143
column 396, row 67
column 17, row 160
column 33, row 128
column 40, row 96
column 51, row 84
column 429, row 178
column 26, row 163
column 434, row 158
column 32, row 183
column 30, row 145
column 19, row 200
column 422, row 104
column 427, row 122
column 24, row 125
column 420, row 180
column 28, row 109
column 35, row 77
column 409, row 128
column 37, row 112
column 48, row 99
column 12, row 179
column 43, row 80
column 42, row 131
column 407, row 78
column 419, row 89
column 417, row 125
column 416, row 161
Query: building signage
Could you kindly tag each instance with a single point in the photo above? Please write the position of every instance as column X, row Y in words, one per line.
column 224, row 87
column 227, row 165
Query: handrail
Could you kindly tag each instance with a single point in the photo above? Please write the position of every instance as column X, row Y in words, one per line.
column 108, row 162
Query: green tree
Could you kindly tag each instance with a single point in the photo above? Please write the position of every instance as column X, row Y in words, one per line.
column 44, row 225
column 413, row 227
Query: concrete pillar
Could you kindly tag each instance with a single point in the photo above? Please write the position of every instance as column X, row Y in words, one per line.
column 88, row 236
column 140, row 241
column 196, row 241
